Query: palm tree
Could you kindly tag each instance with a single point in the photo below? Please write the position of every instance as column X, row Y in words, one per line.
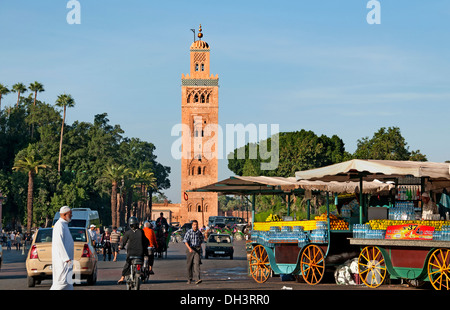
column 145, row 180
column 115, row 174
column 3, row 91
column 63, row 101
column 19, row 88
column 30, row 166
column 36, row 87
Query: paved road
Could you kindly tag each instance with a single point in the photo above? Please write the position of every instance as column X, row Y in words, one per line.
column 170, row 274
column 225, row 283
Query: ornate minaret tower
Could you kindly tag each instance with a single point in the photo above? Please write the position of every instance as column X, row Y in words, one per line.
column 199, row 117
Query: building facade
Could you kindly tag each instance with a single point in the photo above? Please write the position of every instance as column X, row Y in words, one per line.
column 199, row 117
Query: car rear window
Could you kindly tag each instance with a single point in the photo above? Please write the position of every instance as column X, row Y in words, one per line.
column 77, row 223
column 78, row 235
column 45, row 235
column 220, row 239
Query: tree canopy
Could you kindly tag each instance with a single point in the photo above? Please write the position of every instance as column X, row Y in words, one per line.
column 298, row 150
column 302, row 150
column 88, row 149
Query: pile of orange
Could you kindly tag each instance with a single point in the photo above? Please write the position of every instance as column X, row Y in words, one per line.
column 335, row 222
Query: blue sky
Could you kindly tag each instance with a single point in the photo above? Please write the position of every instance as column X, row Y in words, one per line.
column 314, row 65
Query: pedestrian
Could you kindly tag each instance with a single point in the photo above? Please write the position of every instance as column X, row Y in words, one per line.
column 193, row 240
column 150, row 234
column 93, row 235
column 18, row 241
column 13, row 238
column 115, row 239
column 106, row 243
column 8, row 241
column 62, row 252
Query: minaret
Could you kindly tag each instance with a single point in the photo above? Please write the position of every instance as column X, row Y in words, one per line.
column 199, row 117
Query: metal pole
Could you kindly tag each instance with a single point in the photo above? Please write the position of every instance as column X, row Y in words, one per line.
column 308, row 208
column 360, row 200
column 328, row 221
column 289, row 205
column 253, row 210
column 328, row 208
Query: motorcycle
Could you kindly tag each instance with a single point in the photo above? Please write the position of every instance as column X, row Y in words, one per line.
column 145, row 274
column 133, row 280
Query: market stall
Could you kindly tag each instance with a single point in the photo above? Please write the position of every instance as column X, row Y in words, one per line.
column 305, row 248
column 413, row 242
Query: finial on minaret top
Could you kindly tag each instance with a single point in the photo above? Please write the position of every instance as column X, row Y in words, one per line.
column 200, row 34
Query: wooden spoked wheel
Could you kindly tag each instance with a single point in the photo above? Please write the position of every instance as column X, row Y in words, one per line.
column 439, row 269
column 312, row 264
column 259, row 264
column 371, row 266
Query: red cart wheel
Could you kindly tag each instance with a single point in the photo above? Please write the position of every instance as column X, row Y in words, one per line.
column 439, row 269
column 371, row 266
column 312, row 264
column 259, row 264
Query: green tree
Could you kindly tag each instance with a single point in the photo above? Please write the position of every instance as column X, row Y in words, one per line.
column 63, row 101
column 3, row 91
column 145, row 183
column 89, row 148
column 19, row 88
column 249, row 169
column 298, row 150
column 31, row 167
column 139, row 155
column 386, row 144
column 114, row 174
column 36, row 87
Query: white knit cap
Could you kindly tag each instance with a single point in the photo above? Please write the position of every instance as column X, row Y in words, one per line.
column 64, row 209
column 425, row 195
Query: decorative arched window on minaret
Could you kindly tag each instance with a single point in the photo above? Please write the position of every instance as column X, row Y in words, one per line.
column 199, row 111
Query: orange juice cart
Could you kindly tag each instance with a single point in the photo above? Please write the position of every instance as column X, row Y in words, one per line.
column 408, row 244
column 305, row 248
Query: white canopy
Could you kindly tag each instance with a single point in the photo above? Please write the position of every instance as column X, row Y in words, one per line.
column 376, row 169
column 263, row 184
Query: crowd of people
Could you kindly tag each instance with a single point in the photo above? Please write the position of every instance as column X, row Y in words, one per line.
column 139, row 240
column 15, row 240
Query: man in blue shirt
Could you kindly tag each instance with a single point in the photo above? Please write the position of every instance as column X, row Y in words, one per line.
column 193, row 240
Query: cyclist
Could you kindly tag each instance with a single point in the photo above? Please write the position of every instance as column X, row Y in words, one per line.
column 136, row 243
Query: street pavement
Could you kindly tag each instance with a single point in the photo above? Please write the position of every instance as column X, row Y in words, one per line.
column 170, row 273
column 218, row 274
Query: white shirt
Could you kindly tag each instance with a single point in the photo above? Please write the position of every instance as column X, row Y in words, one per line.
column 93, row 235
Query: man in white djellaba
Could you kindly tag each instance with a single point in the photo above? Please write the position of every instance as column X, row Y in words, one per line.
column 62, row 252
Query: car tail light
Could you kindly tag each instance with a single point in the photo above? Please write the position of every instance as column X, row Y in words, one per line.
column 86, row 251
column 138, row 267
column 33, row 252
